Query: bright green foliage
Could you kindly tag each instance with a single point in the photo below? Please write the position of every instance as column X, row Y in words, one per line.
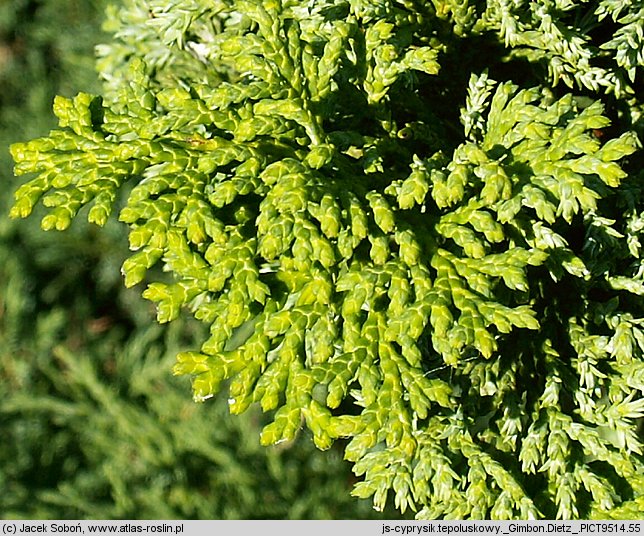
column 105, row 435
column 94, row 426
column 463, row 303
column 92, row 423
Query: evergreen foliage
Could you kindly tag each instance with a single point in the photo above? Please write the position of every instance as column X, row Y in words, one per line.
column 93, row 425
column 413, row 225
column 99, row 432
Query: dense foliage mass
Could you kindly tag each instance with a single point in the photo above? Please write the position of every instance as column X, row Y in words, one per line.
column 93, row 424
column 413, row 225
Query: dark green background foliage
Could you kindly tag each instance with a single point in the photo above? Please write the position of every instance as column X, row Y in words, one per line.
column 411, row 228
column 92, row 423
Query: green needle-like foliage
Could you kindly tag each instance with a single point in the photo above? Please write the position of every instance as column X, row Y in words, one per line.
column 461, row 301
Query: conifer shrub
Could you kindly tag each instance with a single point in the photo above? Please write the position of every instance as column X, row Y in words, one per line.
column 410, row 226
column 93, row 425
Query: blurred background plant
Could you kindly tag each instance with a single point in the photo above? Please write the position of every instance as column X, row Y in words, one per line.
column 93, row 424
